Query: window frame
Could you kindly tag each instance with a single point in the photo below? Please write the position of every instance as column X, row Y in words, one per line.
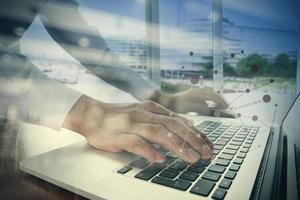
column 153, row 41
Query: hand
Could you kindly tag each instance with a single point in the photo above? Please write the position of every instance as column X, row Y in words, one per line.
column 135, row 128
column 194, row 100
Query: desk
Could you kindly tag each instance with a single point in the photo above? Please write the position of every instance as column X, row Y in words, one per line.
column 19, row 141
column 15, row 184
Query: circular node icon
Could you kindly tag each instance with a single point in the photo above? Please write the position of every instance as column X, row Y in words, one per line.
column 191, row 53
column 254, row 118
column 266, row 98
column 182, row 67
column 271, row 80
column 239, row 115
column 232, row 55
column 84, row 42
column 247, row 90
column 255, row 68
column 242, row 51
column 276, row 105
column 216, row 71
column 217, row 113
column 218, row 92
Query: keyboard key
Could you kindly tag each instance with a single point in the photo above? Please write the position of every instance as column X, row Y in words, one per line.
column 225, row 139
column 249, row 141
column 238, row 161
column 212, row 176
column 178, row 165
column 234, row 167
column 172, row 155
column 241, row 155
column 232, row 147
column 203, row 187
column 227, row 136
column 217, row 168
column 238, row 139
column 222, row 143
column 140, row 163
column 124, row 170
column 240, row 136
column 196, row 169
column 247, row 145
column 218, row 147
column 169, row 159
column 251, row 138
column 225, row 183
column 236, row 143
column 222, row 162
column 169, row 173
column 150, row 171
column 190, row 176
column 244, row 150
column 225, row 156
column 216, row 151
column 230, row 151
column 219, row 194
column 202, row 163
column 176, row 184
column 230, row 175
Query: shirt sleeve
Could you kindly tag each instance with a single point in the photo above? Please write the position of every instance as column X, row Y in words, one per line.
column 31, row 95
column 65, row 24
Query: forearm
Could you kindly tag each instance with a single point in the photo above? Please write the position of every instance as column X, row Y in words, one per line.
column 31, row 96
column 86, row 45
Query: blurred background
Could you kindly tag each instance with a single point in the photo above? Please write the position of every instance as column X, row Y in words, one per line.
column 259, row 43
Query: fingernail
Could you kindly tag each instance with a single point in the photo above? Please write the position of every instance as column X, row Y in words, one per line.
column 193, row 155
column 206, row 152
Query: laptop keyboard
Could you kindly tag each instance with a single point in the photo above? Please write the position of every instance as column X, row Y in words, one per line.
column 231, row 145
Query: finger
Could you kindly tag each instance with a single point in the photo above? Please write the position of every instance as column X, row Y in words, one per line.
column 177, row 127
column 207, row 140
column 159, row 109
column 158, row 134
column 188, row 106
column 135, row 144
column 219, row 100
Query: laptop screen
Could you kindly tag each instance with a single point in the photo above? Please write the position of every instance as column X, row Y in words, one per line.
column 291, row 127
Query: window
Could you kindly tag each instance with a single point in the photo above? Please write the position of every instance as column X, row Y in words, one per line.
column 185, row 44
column 120, row 22
column 260, row 42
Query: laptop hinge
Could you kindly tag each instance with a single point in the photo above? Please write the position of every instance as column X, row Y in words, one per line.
column 261, row 174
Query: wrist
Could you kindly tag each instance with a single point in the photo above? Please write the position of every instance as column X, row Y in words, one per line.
column 164, row 99
column 81, row 112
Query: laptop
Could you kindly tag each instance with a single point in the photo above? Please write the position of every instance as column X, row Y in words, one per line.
column 250, row 162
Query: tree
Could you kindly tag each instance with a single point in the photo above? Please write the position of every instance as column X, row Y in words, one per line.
column 283, row 66
column 229, row 70
column 208, row 70
column 253, row 64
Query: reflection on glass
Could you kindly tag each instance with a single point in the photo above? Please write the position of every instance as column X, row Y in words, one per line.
column 186, row 44
column 260, row 42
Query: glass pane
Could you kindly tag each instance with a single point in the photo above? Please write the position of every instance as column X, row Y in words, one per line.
column 260, row 42
column 186, row 44
column 121, row 26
